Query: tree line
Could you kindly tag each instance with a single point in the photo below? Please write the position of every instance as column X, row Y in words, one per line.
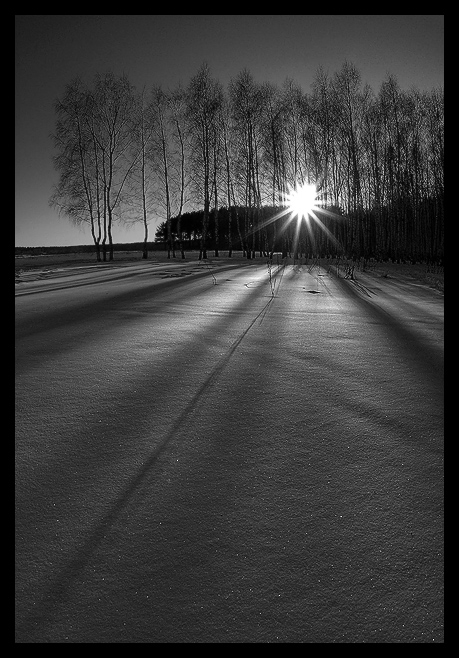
column 214, row 165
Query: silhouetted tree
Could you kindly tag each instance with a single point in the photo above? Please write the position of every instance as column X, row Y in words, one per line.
column 204, row 97
column 78, row 194
column 377, row 160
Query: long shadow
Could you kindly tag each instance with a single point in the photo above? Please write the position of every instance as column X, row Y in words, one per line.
column 96, row 312
column 426, row 358
column 117, row 276
column 374, row 403
column 31, row 626
column 160, row 373
column 98, row 277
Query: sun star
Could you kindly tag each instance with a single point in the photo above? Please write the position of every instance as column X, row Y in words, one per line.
column 302, row 201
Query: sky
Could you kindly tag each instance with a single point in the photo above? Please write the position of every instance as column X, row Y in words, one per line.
column 50, row 51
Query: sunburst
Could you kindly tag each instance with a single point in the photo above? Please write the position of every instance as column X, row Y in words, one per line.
column 302, row 201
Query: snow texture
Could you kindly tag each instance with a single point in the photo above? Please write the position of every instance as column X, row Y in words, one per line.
column 205, row 457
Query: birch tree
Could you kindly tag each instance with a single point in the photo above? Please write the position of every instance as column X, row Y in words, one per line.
column 204, row 97
column 160, row 110
column 246, row 104
column 78, row 193
column 180, row 138
column 111, row 126
column 141, row 188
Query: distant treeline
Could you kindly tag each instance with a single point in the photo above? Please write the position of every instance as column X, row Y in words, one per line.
column 267, row 229
column 83, row 249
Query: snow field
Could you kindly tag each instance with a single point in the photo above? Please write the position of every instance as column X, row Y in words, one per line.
column 208, row 463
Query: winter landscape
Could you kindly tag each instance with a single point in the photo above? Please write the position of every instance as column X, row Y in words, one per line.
column 229, row 289
column 226, row 451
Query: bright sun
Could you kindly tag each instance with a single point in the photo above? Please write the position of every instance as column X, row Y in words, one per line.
column 302, row 200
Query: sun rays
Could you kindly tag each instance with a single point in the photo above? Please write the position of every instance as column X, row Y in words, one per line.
column 302, row 202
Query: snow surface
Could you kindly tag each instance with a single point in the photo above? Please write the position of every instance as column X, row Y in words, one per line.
column 199, row 460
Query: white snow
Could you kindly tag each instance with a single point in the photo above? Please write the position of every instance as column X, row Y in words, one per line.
column 201, row 462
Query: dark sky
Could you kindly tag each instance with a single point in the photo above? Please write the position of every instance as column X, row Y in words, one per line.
column 166, row 50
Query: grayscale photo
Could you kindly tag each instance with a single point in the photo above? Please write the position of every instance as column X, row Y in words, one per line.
column 229, row 329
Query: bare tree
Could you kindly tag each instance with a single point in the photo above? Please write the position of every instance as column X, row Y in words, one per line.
column 376, row 159
column 141, row 195
column 246, row 104
column 204, row 97
column 78, row 194
column 112, row 130
column 180, row 137
column 160, row 106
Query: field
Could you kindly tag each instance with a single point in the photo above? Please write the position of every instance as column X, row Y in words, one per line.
column 432, row 275
column 218, row 452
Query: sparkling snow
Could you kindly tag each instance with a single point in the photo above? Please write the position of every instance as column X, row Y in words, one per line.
column 204, row 457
